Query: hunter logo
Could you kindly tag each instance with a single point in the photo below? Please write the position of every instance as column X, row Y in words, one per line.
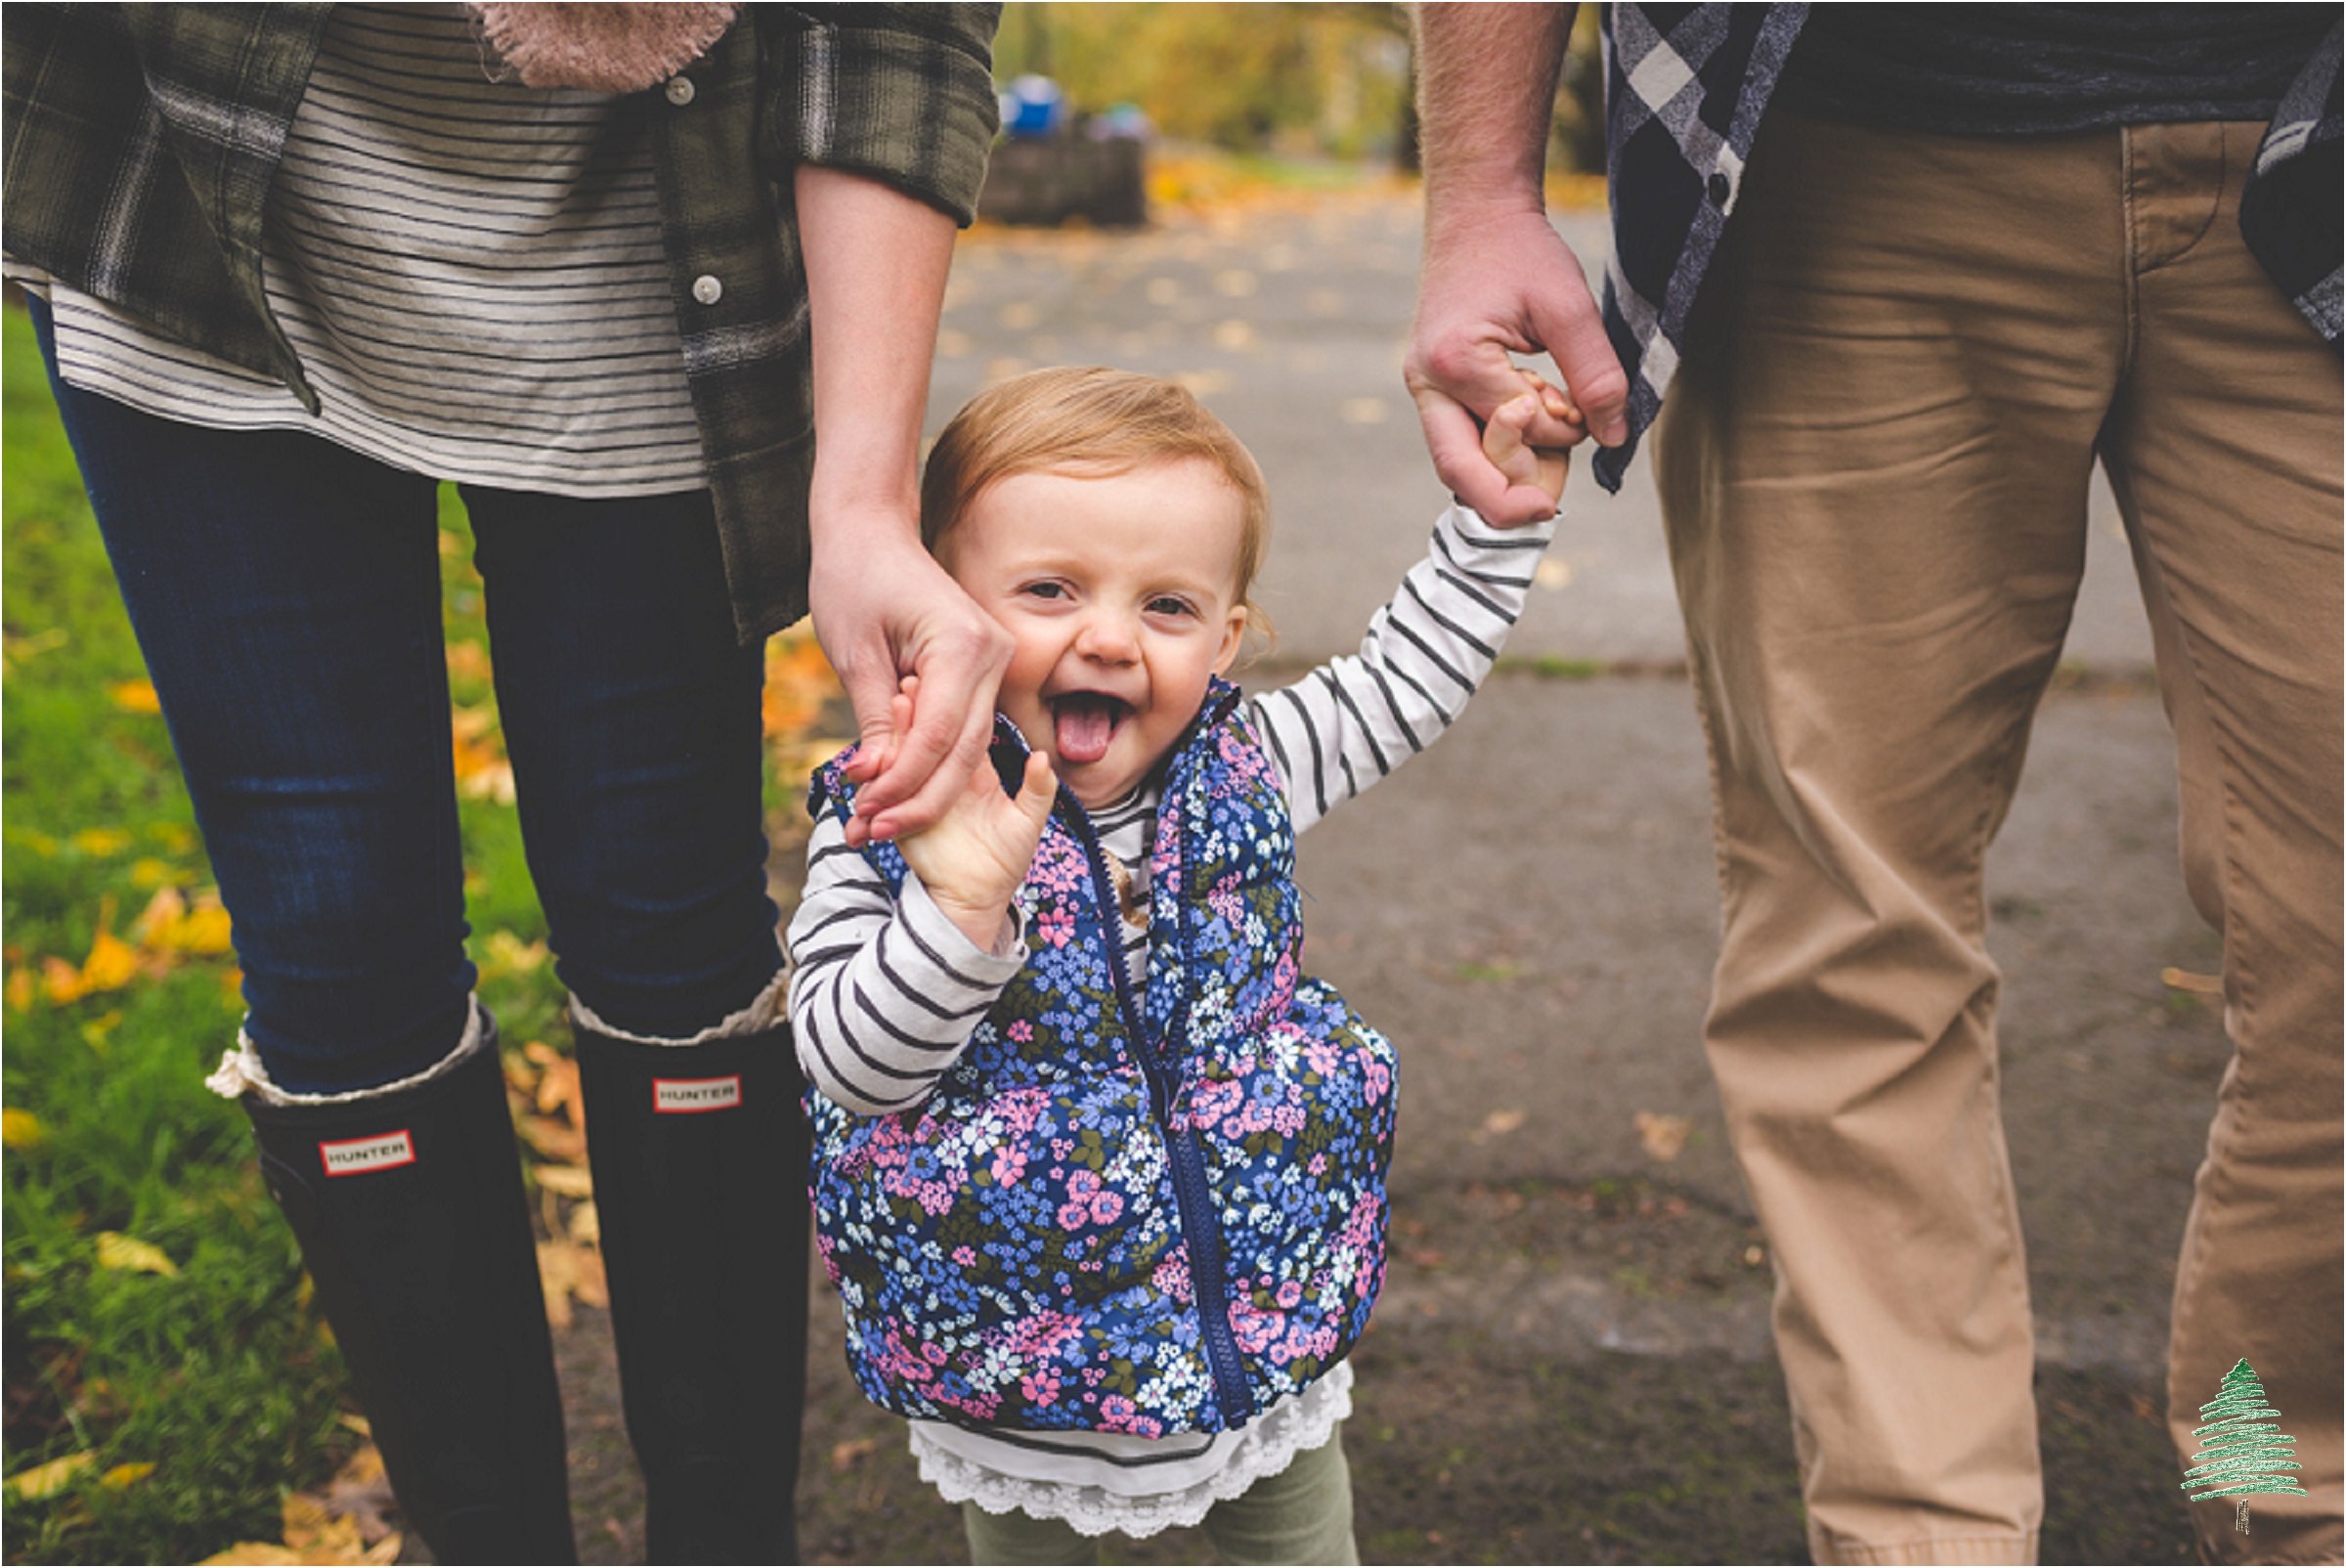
column 671, row 1095
column 355, row 1156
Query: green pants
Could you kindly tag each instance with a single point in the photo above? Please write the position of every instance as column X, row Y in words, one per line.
column 1303, row 1514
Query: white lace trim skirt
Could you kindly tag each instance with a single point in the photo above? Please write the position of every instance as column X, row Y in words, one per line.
column 1104, row 1481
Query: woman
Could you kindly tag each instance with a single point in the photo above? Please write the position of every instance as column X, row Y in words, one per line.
column 614, row 269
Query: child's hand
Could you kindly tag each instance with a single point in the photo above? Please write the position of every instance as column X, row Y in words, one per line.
column 1503, row 438
column 973, row 857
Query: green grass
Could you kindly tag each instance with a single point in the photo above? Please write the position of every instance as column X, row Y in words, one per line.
column 220, row 1375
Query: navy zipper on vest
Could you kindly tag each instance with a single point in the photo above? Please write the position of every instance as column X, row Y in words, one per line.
column 1200, row 1225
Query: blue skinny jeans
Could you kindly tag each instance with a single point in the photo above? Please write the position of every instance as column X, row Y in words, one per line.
column 285, row 592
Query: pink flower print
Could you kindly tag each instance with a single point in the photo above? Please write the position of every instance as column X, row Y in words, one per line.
column 1380, row 1082
column 1055, row 925
column 965, row 1255
column 1010, row 1164
column 1321, row 1057
column 1088, row 1202
column 1172, row 1278
column 1040, row 1387
column 1319, row 1164
column 1212, row 1103
column 1116, row 1413
column 1022, row 1030
column 1290, row 1294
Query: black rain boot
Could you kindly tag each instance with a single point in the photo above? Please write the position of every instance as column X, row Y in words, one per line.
column 411, row 1218
column 699, row 1155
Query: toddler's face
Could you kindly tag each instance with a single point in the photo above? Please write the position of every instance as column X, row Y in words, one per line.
column 1122, row 593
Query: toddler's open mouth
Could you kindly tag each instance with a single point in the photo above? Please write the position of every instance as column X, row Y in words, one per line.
column 1084, row 723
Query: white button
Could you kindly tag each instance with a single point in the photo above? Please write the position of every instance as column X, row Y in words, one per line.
column 679, row 90
column 707, row 289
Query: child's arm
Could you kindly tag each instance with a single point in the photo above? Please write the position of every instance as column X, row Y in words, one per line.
column 1356, row 719
column 882, row 993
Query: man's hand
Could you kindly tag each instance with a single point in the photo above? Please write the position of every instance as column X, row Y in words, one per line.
column 894, row 625
column 1498, row 281
column 974, row 855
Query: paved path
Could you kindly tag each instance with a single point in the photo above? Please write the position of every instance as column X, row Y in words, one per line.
column 1572, row 1360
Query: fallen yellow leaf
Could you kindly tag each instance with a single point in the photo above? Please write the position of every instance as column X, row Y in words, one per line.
column 848, row 1455
column 566, row 1181
column 555, row 1277
column 119, row 1251
column 20, row 1129
column 1663, row 1136
column 2182, row 980
column 122, row 1475
column 319, row 1532
column 135, row 696
column 47, row 1480
column 253, row 1554
column 1501, row 1123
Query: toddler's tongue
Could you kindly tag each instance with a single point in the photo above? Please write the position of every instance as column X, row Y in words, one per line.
column 1083, row 723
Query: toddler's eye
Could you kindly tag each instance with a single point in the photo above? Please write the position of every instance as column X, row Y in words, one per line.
column 1045, row 590
column 1168, row 604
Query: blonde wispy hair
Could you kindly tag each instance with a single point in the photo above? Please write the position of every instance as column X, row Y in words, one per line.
column 1091, row 421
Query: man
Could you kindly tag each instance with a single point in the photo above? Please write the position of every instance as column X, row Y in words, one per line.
column 1905, row 278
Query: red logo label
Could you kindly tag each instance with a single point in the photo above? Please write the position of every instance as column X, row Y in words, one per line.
column 355, row 1156
column 674, row 1094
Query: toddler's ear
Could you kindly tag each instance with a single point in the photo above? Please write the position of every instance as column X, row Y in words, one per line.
column 1234, row 634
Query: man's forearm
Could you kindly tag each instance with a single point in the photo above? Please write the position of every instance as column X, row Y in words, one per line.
column 1487, row 80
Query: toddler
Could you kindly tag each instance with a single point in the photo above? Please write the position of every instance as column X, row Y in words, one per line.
column 1098, row 1174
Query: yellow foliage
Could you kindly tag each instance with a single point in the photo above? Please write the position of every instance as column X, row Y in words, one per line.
column 20, row 1129
column 122, row 1475
column 21, row 986
column 47, row 1480
column 100, row 841
column 799, row 683
column 119, row 1251
column 564, row 1181
column 135, row 696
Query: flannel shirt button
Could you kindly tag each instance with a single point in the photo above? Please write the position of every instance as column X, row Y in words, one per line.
column 679, row 90
column 1718, row 189
column 707, row 289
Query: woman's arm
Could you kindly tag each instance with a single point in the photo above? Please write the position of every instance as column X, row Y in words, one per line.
column 876, row 264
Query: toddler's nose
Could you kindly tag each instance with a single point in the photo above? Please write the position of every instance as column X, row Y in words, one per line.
column 1110, row 637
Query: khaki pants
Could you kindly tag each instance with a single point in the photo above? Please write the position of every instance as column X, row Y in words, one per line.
column 1873, row 463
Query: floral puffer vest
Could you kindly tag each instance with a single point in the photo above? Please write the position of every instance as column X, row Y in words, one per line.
column 1031, row 1248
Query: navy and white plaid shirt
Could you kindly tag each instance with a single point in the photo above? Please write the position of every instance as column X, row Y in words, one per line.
column 1685, row 87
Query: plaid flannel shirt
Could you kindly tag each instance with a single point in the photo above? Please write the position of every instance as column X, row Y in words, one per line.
column 1685, row 87
column 142, row 141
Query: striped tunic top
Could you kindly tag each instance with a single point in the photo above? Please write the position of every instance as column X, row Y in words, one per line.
column 884, row 994
column 471, row 271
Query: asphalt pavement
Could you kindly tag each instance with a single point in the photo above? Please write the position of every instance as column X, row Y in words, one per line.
column 1530, row 911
